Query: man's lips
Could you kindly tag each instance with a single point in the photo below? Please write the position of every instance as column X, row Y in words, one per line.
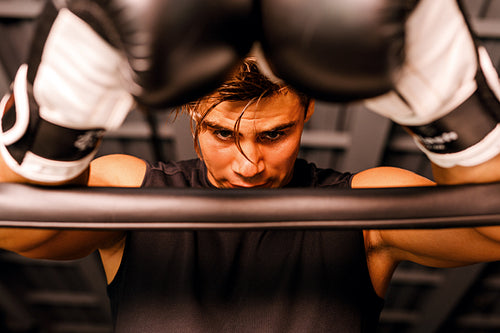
column 261, row 185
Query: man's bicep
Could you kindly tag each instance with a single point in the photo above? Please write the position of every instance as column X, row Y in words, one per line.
column 388, row 177
column 117, row 170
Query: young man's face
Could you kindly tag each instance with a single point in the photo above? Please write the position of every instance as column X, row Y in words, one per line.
column 269, row 135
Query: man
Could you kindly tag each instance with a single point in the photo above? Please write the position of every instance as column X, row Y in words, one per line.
column 248, row 134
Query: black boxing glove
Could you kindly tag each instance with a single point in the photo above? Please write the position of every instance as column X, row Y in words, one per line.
column 180, row 50
column 335, row 50
column 91, row 59
column 447, row 92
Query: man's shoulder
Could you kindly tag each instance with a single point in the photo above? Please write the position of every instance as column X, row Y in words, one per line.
column 388, row 177
column 117, row 170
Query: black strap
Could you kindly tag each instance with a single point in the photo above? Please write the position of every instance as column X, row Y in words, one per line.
column 462, row 128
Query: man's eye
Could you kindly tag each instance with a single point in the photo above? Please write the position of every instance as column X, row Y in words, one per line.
column 224, row 134
column 272, row 135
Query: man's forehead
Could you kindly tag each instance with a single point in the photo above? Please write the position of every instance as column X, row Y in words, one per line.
column 265, row 116
column 282, row 105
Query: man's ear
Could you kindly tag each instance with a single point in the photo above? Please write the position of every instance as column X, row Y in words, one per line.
column 310, row 110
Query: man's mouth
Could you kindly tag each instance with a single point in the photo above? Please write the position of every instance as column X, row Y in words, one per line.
column 261, row 185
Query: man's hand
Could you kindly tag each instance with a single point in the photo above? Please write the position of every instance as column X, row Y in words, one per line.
column 91, row 60
column 62, row 100
column 447, row 95
column 335, row 50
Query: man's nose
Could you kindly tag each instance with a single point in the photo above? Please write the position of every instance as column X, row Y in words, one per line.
column 249, row 161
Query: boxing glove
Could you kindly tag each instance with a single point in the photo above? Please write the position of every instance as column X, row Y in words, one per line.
column 90, row 62
column 447, row 92
column 335, row 50
column 181, row 50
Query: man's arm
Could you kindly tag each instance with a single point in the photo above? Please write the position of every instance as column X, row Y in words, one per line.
column 55, row 244
column 487, row 172
column 112, row 170
column 62, row 99
column 58, row 244
column 434, row 247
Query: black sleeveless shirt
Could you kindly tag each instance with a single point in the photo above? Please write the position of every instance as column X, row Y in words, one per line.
column 243, row 281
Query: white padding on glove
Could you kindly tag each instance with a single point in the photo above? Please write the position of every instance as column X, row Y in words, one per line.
column 80, row 91
column 79, row 82
column 19, row 88
column 440, row 67
column 439, row 74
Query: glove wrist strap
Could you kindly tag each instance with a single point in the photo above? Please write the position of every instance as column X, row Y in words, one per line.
column 467, row 136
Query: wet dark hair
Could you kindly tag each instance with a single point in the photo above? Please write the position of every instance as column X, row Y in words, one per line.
column 246, row 84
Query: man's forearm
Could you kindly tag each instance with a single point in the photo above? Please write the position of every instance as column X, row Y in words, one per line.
column 9, row 176
column 487, row 172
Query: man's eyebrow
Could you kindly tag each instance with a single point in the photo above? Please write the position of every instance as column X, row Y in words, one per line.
column 208, row 123
column 281, row 127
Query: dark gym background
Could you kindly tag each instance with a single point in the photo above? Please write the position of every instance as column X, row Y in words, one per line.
column 69, row 297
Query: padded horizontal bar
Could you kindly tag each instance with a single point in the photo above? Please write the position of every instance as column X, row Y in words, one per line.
column 131, row 208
